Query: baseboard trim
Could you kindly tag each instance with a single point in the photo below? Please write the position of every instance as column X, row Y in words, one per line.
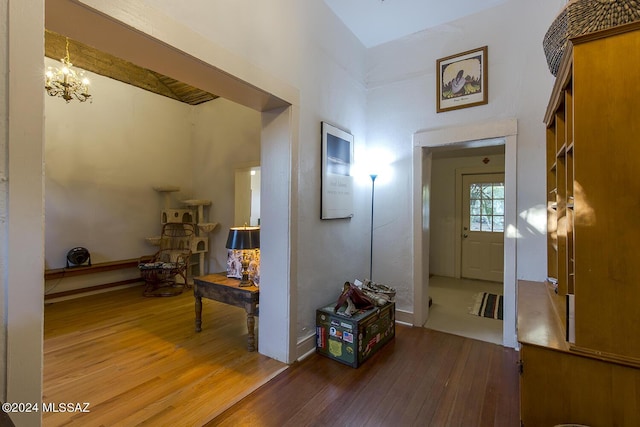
column 405, row 317
column 93, row 289
column 306, row 347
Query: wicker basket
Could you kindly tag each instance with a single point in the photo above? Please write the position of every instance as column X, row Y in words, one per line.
column 582, row 17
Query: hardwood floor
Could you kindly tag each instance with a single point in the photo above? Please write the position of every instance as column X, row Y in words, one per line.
column 138, row 360
column 422, row 378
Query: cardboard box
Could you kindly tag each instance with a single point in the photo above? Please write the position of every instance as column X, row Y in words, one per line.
column 352, row 340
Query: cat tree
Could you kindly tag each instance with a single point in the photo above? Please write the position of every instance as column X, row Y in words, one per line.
column 193, row 212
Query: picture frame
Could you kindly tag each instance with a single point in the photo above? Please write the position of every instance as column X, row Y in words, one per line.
column 336, row 184
column 462, row 80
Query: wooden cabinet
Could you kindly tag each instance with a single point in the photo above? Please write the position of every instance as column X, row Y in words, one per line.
column 591, row 376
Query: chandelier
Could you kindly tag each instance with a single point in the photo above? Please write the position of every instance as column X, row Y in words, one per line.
column 65, row 82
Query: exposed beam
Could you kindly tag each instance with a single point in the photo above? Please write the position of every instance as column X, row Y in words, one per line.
column 95, row 61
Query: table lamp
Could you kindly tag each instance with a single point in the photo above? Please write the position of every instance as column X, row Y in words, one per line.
column 244, row 239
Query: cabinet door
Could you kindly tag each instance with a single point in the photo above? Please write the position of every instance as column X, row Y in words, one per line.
column 561, row 388
column 540, row 402
column 606, row 97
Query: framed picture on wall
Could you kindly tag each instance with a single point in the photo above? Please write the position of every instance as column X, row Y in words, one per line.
column 462, row 80
column 336, row 181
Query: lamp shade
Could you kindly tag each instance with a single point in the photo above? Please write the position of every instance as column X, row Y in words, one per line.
column 243, row 238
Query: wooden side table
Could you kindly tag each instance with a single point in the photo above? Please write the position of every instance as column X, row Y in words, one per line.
column 219, row 287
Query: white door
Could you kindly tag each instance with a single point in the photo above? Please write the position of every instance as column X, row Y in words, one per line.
column 483, row 226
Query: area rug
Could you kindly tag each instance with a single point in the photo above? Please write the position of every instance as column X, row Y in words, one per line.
column 488, row 305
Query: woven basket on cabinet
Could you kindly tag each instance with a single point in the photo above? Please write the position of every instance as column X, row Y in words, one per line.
column 582, row 17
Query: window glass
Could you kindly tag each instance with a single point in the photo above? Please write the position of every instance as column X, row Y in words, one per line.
column 486, row 207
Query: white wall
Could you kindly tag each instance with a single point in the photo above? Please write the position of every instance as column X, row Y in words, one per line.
column 102, row 160
column 401, row 80
column 443, row 214
column 4, row 194
column 23, row 235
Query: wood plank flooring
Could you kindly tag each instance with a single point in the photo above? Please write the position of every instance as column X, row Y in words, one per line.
column 422, row 378
column 138, row 360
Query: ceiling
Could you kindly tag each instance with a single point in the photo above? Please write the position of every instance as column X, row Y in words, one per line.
column 90, row 59
column 378, row 21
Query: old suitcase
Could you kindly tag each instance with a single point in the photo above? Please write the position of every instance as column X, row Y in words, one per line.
column 352, row 340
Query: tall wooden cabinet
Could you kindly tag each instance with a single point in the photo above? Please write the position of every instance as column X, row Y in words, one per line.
column 580, row 332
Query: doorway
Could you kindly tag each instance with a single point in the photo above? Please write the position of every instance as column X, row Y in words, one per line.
column 247, row 196
column 426, row 144
column 215, row 73
column 467, row 258
column 173, row 50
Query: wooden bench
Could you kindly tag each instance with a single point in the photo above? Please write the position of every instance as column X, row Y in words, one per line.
column 101, row 267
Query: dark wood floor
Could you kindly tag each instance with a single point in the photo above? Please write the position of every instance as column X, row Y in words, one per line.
column 422, row 378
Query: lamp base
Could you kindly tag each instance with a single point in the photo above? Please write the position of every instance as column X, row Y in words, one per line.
column 244, row 282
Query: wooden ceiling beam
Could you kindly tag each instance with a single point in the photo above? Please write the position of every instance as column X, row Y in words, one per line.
column 90, row 59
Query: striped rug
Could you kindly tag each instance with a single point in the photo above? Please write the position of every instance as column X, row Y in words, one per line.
column 488, row 305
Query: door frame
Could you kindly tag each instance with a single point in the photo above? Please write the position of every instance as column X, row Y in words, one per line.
column 460, row 172
column 475, row 135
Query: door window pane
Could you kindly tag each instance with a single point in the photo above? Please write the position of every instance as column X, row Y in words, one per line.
column 486, row 223
column 498, row 207
column 487, row 207
column 498, row 191
column 487, row 192
column 475, row 207
column 498, row 223
column 474, row 223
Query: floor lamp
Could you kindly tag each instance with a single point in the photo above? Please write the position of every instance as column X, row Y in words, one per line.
column 373, row 187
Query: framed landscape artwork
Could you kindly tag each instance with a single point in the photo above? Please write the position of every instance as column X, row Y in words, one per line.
column 462, row 80
column 336, row 181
